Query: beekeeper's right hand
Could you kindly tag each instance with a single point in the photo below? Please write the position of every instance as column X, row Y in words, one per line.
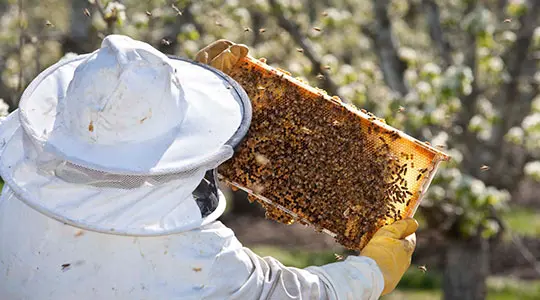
column 391, row 248
column 222, row 54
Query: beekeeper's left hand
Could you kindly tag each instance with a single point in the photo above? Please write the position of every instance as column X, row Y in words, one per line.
column 392, row 247
column 222, row 54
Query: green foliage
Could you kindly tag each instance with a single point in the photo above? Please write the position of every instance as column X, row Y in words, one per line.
column 523, row 221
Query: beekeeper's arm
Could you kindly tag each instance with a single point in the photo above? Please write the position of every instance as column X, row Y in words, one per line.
column 238, row 273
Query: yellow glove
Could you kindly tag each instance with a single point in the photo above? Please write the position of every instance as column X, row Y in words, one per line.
column 392, row 247
column 222, row 54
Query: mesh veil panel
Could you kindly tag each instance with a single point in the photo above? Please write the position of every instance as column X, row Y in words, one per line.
column 205, row 195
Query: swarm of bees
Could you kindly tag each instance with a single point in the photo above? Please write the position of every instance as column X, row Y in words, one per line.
column 325, row 163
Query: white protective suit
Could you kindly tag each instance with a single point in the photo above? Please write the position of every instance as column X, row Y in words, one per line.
column 90, row 209
column 204, row 263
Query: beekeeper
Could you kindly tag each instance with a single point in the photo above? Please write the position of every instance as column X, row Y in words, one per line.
column 111, row 192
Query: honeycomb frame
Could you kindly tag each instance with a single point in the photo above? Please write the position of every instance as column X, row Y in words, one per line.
column 312, row 159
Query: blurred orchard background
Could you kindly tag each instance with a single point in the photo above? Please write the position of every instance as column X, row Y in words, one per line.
column 461, row 74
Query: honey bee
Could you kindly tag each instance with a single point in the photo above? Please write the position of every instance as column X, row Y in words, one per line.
column 165, row 42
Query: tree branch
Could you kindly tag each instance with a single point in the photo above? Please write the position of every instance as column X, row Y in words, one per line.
column 109, row 21
column 393, row 68
column 317, row 68
column 514, row 60
column 526, row 253
column 468, row 140
column 257, row 22
column 433, row 17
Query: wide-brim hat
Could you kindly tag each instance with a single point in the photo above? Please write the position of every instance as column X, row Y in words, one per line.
column 120, row 139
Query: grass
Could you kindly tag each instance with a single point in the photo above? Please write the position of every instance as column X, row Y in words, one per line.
column 414, row 284
column 520, row 220
column 523, row 221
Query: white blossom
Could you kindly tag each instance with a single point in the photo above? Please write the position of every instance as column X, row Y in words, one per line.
column 115, row 9
column 411, row 76
column 532, row 169
column 496, row 64
column 407, row 54
column 535, row 105
column 423, row 87
column 476, row 123
column 440, row 139
column 431, row 69
column 515, row 135
column 509, row 36
column 531, row 122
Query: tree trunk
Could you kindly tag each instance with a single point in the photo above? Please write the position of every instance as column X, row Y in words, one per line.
column 81, row 37
column 467, row 267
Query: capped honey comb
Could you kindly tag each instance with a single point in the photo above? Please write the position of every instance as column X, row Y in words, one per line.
column 312, row 159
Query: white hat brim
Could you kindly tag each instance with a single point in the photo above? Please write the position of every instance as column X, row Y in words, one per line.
column 147, row 209
column 217, row 109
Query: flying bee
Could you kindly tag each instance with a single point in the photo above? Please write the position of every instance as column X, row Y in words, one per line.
column 166, row 42
column 65, row 267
